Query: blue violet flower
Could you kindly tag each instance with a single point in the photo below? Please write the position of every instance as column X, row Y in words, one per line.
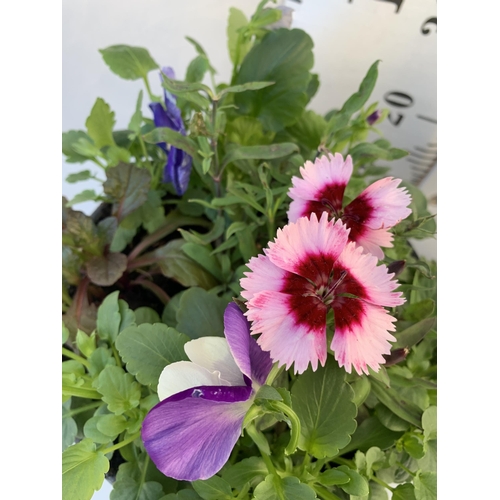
column 178, row 167
column 191, row 432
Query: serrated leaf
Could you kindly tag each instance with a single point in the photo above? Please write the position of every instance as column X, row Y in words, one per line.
column 147, row 349
column 251, row 470
column 70, row 138
column 79, row 176
column 309, row 129
column 197, row 69
column 112, row 425
column 107, row 269
column 333, row 476
column 130, row 63
column 284, row 57
column 118, row 389
column 288, row 488
column 83, row 471
column 126, row 488
column 214, row 488
column 426, row 486
column 128, row 187
column 429, row 423
column 85, row 195
column 100, row 124
column 404, row 492
column 146, row 315
column 323, row 401
column 201, row 314
column 108, row 318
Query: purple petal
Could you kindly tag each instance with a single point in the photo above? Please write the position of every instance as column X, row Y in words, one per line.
column 250, row 358
column 192, row 438
column 161, row 117
column 178, row 169
column 168, row 72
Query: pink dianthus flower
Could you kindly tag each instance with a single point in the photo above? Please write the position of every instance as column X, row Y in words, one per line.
column 369, row 216
column 310, row 269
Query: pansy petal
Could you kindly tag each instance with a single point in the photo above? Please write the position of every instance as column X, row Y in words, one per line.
column 309, row 247
column 322, row 185
column 361, row 335
column 250, row 358
column 160, row 116
column 179, row 165
column 373, row 283
column 182, row 375
column 192, row 438
column 290, row 334
column 213, row 353
column 381, row 205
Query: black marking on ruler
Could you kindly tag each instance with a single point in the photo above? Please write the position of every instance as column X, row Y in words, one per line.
column 426, row 118
column 422, row 161
column 426, row 156
column 426, row 150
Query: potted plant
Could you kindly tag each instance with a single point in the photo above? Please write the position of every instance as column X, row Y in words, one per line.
column 243, row 315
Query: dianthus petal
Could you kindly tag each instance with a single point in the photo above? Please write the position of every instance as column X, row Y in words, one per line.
column 214, row 354
column 323, row 180
column 288, row 340
column 192, row 438
column 264, row 275
column 387, row 204
column 182, row 375
column 361, row 342
column 308, row 247
column 250, row 358
column 372, row 239
column 376, row 282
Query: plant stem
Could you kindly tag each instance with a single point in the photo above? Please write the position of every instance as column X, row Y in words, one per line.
column 148, row 88
column 382, row 483
column 121, row 444
column 324, row 493
column 153, row 287
column 406, row 469
column 343, row 461
column 253, row 433
column 82, row 409
column 72, row 355
column 217, row 177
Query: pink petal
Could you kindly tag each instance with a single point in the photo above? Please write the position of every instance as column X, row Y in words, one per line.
column 326, row 179
column 308, row 247
column 377, row 283
column 372, row 239
column 361, row 339
column 264, row 275
column 289, row 338
column 382, row 204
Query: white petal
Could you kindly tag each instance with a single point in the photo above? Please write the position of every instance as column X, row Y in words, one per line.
column 182, row 375
column 213, row 354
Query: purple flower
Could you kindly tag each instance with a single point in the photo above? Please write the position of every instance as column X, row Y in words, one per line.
column 178, row 167
column 374, row 117
column 190, row 434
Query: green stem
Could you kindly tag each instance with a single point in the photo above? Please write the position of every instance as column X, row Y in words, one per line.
column 146, row 158
column 324, row 493
column 295, row 427
column 116, row 355
column 275, row 371
column 406, row 469
column 257, row 439
column 121, row 444
column 82, row 409
column 148, row 89
column 382, row 483
column 97, row 162
column 344, row 461
column 72, row 355
column 217, row 176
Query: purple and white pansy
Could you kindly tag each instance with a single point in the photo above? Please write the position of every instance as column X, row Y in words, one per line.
column 191, row 432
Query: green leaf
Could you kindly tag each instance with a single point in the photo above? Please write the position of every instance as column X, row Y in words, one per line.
column 259, row 152
column 85, row 343
column 128, row 187
column 323, row 401
column 80, row 176
column 69, row 427
column 404, row 492
column 180, row 87
column 130, row 63
column 112, row 425
column 429, row 423
column 251, row 470
column 414, row 334
column 357, row 485
column 197, row 69
column 108, row 318
column 234, row 89
column 83, row 471
column 309, row 129
column 371, row 433
column 238, row 48
column 126, row 488
column 69, row 139
column 358, row 100
column 333, row 476
column 107, row 269
column 419, row 310
column 165, row 134
column 361, row 387
column 202, row 255
column 175, row 264
column 100, row 124
column 369, row 149
column 136, row 120
column 146, row 315
column 147, row 349
column 426, row 486
column 284, row 57
column 118, row 389
column 390, row 420
column 214, row 488
column 85, row 195
column 288, row 488
column 201, row 314
column 402, row 408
